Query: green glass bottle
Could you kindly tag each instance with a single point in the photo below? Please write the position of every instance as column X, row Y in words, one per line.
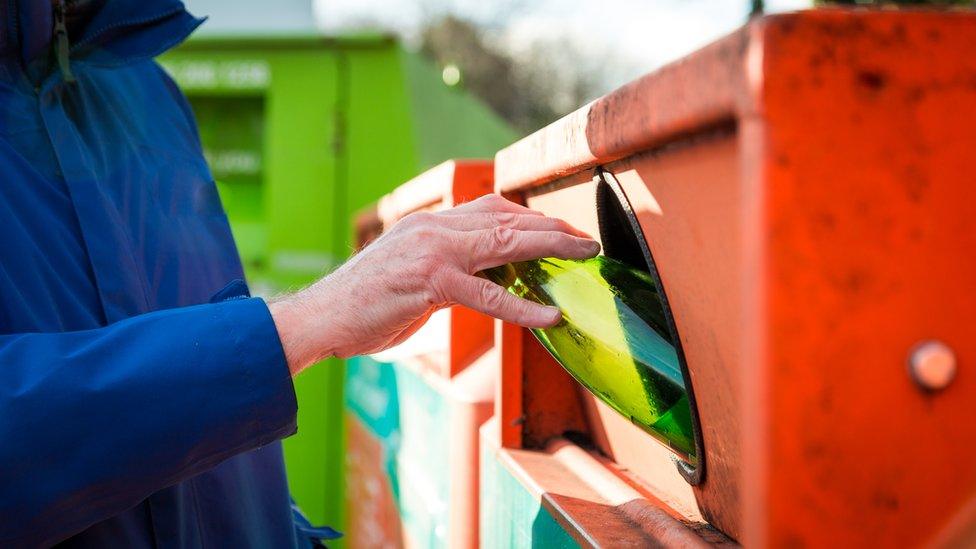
column 613, row 338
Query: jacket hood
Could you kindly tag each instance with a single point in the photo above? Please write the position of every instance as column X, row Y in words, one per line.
column 118, row 32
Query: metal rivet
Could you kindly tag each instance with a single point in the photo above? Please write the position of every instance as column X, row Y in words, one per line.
column 932, row 365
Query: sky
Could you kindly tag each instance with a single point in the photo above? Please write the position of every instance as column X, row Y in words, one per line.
column 632, row 36
column 635, row 35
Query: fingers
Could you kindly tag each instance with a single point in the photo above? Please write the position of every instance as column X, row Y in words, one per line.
column 490, row 298
column 501, row 245
column 517, row 221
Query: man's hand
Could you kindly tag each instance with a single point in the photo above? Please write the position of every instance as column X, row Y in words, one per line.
column 426, row 262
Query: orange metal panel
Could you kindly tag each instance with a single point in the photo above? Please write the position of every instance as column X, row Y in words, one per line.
column 537, row 399
column 803, row 185
column 509, row 339
column 867, row 234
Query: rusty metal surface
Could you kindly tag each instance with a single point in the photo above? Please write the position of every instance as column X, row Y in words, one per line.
column 805, row 256
column 864, row 245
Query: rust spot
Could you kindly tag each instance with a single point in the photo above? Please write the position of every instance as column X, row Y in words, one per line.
column 916, row 183
column 825, row 55
column 915, row 94
column 885, row 500
column 795, row 82
column 872, row 80
column 790, row 540
column 814, row 451
column 787, row 25
column 825, row 220
column 826, row 401
column 855, row 281
column 899, row 32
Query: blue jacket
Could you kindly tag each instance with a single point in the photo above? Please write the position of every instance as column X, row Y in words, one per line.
column 140, row 405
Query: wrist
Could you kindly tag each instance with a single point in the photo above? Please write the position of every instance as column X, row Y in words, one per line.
column 300, row 340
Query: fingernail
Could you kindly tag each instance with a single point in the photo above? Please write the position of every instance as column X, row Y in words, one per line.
column 554, row 316
column 591, row 246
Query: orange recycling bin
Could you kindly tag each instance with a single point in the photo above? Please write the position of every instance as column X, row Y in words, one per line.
column 804, row 188
column 413, row 412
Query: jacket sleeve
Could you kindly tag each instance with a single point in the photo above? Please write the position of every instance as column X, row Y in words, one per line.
column 93, row 422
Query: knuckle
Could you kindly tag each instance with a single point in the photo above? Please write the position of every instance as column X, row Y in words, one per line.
column 426, row 235
column 502, row 219
column 435, row 291
column 492, row 199
column 417, row 219
column 491, row 298
column 502, row 239
column 428, row 265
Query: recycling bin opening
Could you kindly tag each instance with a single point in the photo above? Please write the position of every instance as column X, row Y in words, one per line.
column 617, row 337
column 666, row 381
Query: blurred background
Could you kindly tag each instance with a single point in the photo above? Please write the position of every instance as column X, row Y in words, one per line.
column 531, row 61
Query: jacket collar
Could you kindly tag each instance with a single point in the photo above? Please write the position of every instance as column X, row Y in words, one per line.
column 122, row 31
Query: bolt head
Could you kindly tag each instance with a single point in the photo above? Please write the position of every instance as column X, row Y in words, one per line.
column 932, row 365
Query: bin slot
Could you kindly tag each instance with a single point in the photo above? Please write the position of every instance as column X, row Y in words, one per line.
column 623, row 240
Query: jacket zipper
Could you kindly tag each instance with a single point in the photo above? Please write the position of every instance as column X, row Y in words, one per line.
column 93, row 36
column 62, row 48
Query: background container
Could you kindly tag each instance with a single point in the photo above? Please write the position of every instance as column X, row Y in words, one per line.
column 300, row 132
column 413, row 412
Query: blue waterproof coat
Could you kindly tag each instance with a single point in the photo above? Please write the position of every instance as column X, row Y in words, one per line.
column 142, row 392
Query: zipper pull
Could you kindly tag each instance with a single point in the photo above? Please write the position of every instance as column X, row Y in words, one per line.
column 62, row 48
